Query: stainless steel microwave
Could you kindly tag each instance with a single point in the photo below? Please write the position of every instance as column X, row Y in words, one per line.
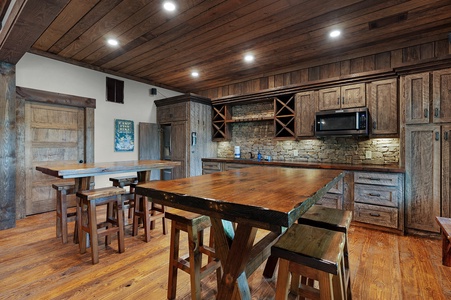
column 352, row 121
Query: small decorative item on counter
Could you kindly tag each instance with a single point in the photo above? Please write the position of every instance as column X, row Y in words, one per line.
column 237, row 152
column 259, row 156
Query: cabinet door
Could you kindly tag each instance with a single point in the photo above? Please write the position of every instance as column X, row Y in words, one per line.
column 442, row 96
column 383, row 106
column 353, row 96
column 416, row 95
column 179, row 148
column 305, row 113
column 329, row 98
column 446, row 171
column 422, row 177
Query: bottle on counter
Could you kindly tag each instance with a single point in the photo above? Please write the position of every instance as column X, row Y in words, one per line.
column 259, row 156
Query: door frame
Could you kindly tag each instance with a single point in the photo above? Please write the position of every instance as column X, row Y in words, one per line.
column 26, row 94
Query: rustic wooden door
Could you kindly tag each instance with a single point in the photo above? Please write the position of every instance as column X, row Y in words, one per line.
column 52, row 133
column 423, row 166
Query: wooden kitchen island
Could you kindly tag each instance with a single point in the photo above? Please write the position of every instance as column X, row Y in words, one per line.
column 253, row 198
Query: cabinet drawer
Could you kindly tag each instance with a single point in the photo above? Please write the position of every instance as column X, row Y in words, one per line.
column 232, row 166
column 377, row 178
column 211, row 167
column 331, row 200
column 376, row 215
column 337, row 189
column 376, row 194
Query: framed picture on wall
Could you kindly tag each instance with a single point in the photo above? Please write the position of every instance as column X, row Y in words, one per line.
column 124, row 135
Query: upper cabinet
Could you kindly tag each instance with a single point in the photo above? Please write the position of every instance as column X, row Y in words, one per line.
column 348, row 96
column 306, row 104
column 416, row 95
column 441, row 92
column 383, row 106
column 418, row 89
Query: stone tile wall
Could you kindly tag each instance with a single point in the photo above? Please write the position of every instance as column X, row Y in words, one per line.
column 258, row 136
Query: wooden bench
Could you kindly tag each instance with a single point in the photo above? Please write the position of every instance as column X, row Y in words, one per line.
column 445, row 225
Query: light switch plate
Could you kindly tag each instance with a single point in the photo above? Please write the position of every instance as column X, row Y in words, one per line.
column 368, row 154
column 295, row 152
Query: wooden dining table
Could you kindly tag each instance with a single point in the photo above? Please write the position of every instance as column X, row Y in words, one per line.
column 83, row 173
column 270, row 198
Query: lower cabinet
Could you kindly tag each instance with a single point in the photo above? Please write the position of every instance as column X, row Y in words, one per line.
column 379, row 199
column 376, row 198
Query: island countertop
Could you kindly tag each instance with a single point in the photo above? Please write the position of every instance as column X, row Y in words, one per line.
column 393, row 168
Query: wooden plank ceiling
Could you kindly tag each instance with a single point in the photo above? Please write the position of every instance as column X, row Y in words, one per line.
column 212, row 36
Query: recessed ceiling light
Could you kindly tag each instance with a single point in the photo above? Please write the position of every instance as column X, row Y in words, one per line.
column 113, row 42
column 195, row 74
column 169, row 6
column 334, row 33
column 249, row 58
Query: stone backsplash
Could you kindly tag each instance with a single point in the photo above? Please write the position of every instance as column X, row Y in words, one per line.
column 258, row 136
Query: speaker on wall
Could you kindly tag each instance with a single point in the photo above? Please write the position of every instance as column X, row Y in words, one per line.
column 153, row 91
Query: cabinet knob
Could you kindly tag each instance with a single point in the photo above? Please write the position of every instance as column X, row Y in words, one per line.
column 437, row 136
column 374, row 125
column 426, row 112
column 343, row 100
column 446, row 135
column 436, row 112
column 338, row 100
column 375, row 215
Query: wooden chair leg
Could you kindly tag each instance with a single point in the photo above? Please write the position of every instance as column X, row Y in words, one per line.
column 195, row 261
column 63, row 212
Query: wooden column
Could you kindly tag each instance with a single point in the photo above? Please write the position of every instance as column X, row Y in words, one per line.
column 7, row 146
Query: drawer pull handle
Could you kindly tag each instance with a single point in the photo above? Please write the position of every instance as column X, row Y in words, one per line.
column 375, row 215
column 371, row 178
column 374, row 195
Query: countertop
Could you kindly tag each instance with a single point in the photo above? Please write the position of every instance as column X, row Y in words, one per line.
column 315, row 165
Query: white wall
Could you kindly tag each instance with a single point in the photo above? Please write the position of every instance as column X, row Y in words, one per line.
column 41, row 73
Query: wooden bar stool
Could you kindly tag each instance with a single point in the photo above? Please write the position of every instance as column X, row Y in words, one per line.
column 147, row 215
column 194, row 225
column 332, row 219
column 445, row 226
column 114, row 223
column 63, row 217
column 129, row 198
column 314, row 253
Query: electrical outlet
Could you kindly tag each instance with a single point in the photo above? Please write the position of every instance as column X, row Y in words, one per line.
column 295, row 152
column 368, row 154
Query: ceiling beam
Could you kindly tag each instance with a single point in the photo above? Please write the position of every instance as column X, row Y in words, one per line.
column 25, row 22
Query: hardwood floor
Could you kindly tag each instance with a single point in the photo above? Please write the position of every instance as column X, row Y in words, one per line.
column 36, row 265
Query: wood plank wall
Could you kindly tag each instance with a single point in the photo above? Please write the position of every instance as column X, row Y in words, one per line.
column 381, row 62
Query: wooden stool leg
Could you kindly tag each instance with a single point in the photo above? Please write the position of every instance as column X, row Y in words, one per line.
column 92, row 224
column 173, row 260
column 195, row 261
column 146, row 218
column 136, row 214
column 63, row 211
column 81, row 220
column 282, row 280
column 120, row 224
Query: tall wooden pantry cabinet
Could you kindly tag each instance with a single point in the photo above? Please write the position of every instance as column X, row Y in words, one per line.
column 186, row 131
column 427, row 99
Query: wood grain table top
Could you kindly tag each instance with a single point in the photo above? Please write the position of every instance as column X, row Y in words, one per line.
column 272, row 196
column 77, row 170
